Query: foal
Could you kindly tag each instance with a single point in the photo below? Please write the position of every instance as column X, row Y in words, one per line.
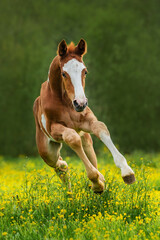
column 62, row 115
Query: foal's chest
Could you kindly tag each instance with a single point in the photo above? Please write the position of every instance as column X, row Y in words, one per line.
column 70, row 118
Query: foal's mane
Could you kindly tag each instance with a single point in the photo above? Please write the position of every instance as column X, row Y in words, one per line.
column 71, row 47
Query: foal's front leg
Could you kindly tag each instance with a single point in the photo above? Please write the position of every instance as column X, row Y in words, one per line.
column 100, row 130
column 73, row 140
column 89, row 151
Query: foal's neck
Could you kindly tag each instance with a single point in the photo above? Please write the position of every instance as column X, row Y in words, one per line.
column 56, row 82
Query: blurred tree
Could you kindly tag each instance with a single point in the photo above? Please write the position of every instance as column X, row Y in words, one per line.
column 123, row 60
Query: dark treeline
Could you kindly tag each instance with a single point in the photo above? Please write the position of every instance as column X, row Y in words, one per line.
column 123, row 59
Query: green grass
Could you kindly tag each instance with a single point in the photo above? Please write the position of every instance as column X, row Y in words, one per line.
column 34, row 204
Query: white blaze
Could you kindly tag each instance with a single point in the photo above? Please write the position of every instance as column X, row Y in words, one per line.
column 74, row 68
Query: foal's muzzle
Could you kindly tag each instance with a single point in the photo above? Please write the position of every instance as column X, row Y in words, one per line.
column 79, row 107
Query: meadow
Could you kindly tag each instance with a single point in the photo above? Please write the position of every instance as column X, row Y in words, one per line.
column 34, row 204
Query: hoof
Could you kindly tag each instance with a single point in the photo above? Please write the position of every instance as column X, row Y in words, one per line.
column 98, row 192
column 101, row 178
column 98, row 188
column 129, row 179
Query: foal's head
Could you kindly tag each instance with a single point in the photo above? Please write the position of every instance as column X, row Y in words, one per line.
column 73, row 72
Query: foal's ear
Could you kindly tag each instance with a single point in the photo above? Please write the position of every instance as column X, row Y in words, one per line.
column 62, row 48
column 81, row 48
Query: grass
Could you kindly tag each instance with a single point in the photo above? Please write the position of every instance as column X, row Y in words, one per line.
column 34, row 204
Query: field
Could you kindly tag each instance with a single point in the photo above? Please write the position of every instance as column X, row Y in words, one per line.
column 35, row 205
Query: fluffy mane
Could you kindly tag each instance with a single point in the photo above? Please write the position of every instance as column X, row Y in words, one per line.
column 71, row 47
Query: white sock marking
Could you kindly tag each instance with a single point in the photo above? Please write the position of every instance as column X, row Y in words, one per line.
column 119, row 159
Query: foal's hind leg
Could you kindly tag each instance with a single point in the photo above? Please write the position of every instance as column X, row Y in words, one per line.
column 50, row 153
column 89, row 150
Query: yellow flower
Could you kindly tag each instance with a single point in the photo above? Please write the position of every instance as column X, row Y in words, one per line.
column 69, row 192
column 4, row 233
column 63, row 211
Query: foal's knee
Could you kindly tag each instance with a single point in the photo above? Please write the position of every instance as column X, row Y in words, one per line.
column 72, row 138
column 98, row 127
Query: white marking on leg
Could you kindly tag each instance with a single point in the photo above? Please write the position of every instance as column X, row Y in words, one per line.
column 43, row 121
column 74, row 68
column 119, row 159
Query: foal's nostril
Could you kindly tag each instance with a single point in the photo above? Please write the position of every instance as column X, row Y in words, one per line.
column 75, row 103
column 86, row 103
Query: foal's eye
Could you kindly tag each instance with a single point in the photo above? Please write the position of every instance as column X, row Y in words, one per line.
column 63, row 74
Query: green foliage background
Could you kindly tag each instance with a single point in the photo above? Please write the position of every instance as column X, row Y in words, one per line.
column 123, row 86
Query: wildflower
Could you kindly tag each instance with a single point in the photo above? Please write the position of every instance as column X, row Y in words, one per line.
column 51, row 228
column 141, row 221
column 69, row 192
column 63, row 211
column 4, row 233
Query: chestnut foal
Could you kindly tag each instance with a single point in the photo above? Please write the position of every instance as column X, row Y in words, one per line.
column 62, row 115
